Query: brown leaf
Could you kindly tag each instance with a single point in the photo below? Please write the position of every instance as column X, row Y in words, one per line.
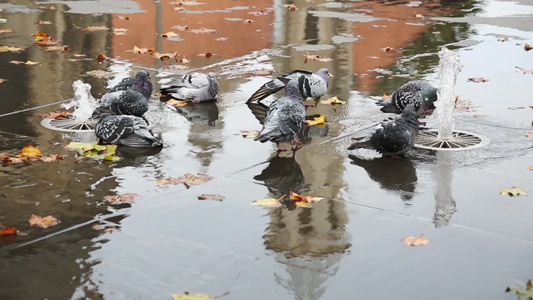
column 478, row 79
column 165, row 56
column 528, row 47
column 316, row 57
column 45, row 222
column 208, row 54
column 7, row 230
column 302, row 201
column 101, row 58
column 211, row 197
column 6, row 30
column 290, row 6
column 57, row 48
column 387, row 49
column 11, row 49
column 128, row 197
column 415, row 241
column 2, row 80
column 187, row 179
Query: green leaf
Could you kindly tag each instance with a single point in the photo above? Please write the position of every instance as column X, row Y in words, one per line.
column 95, row 151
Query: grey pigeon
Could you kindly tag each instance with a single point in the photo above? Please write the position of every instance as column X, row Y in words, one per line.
column 310, row 85
column 284, row 117
column 195, row 87
column 393, row 136
column 125, row 130
column 129, row 97
column 418, row 91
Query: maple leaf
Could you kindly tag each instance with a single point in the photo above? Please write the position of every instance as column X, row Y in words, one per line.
column 333, row 101
column 513, row 191
column 520, row 291
column 95, row 28
column 6, row 30
column 187, row 179
column 45, row 222
column 7, row 230
column 176, row 103
column 211, row 197
column 11, row 49
column 302, row 201
column 316, row 121
column 128, row 197
column 249, row 133
column 269, row 202
column 478, row 79
column 415, row 241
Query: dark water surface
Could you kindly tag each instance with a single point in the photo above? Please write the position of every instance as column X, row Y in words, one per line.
column 347, row 246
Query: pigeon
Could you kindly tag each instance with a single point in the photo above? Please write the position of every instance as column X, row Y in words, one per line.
column 310, row 85
column 195, row 87
column 418, row 91
column 129, row 97
column 125, row 130
column 284, row 117
column 393, row 136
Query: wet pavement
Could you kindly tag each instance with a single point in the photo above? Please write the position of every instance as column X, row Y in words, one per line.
column 347, row 246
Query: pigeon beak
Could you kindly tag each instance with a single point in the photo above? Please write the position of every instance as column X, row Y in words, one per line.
column 330, row 75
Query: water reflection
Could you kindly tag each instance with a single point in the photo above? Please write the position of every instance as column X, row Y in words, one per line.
column 282, row 175
column 445, row 205
column 397, row 175
column 204, row 113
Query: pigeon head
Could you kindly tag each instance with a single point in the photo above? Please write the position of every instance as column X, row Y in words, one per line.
column 143, row 74
column 211, row 75
column 142, row 83
column 430, row 94
column 325, row 74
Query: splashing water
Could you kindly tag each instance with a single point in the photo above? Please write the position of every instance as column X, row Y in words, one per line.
column 449, row 66
column 84, row 103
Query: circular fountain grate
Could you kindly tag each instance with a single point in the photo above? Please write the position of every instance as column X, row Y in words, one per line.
column 69, row 125
column 461, row 140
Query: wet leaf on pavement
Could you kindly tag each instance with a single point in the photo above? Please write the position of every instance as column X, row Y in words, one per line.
column 269, row 202
column 333, row 101
column 143, row 50
column 316, row 121
column 7, row 230
column 95, row 151
column 6, row 30
column 415, row 241
column 169, row 34
column 177, row 103
column 513, row 191
column 528, row 47
column 11, row 49
column 28, row 62
column 303, row 201
column 45, row 222
column 187, row 179
column 128, row 197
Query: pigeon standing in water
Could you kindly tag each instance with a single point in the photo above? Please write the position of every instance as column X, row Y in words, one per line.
column 129, row 97
column 393, row 136
column 418, row 91
column 195, row 87
column 310, row 85
column 125, row 130
column 284, row 117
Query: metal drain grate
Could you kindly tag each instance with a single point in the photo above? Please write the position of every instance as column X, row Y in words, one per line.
column 69, row 125
column 461, row 140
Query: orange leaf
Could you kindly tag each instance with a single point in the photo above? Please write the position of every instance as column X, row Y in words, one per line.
column 57, row 115
column 300, row 200
column 30, row 151
column 385, row 96
column 177, row 103
column 531, row 168
column 528, row 47
column 101, row 58
column 40, row 33
column 415, row 241
column 5, row 230
column 45, row 222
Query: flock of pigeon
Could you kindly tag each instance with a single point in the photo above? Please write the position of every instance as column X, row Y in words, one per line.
column 121, row 110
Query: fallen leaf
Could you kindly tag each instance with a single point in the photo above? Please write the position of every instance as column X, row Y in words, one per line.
column 302, row 201
column 248, row 21
column 503, row 39
column 269, row 202
column 128, row 197
column 29, row 62
column 290, row 6
column 101, row 73
column 333, row 101
column 187, row 179
column 189, row 2
column 101, row 58
column 120, row 31
column 478, row 79
column 40, row 34
column 528, row 47
column 51, row 158
column 165, row 56
column 7, row 230
column 531, row 168
column 524, row 71
column 415, row 241
column 191, row 296
column 183, row 60
column 41, row 22
column 169, row 34
column 143, row 50
column 522, row 293
column 208, row 54
column 57, row 48
column 45, row 222
column 11, row 49
column 316, row 57
column 79, row 55
column 2, row 80
column 418, row 16
column 211, row 197
column 249, row 133
column 221, row 39
column 176, row 103
column 13, row 160
column 95, row 151
column 6, row 31
column 30, row 151
column 316, row 121
column 124, row 18
column 387, row 49
column 513, row 191
column 95, row 28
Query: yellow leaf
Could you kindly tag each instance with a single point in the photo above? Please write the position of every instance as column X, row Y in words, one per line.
column 415, row 241
column 385, row 96
column 514, row 191
column 175, row 102
column 333, row 101
column 303, row 201
column 269, row 202
column 190, row 296
column 30, row 151
column 316, row 121
column 249, row 133
column 31, row 63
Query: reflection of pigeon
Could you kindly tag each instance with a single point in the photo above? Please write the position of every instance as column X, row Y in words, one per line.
column 310, row 85
column 129, row 97
column 282, row 176
column 284, row 117
column 418, row 91
column 196, row 87
column 393, row 136
column 198, row 113
column 391, row 174
column 125, row 130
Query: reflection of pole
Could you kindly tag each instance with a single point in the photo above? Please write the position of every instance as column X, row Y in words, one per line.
column 159, row 29
column 444, row 203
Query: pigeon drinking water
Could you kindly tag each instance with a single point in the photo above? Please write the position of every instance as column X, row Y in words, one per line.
column 125, row 130
column 195, row 87
column 310, row 85
column 393, row 136
column 284, row 117
column 418, row 91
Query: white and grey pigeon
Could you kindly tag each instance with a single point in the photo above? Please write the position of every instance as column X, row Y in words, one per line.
column 417, row 91
column 284, row 117
column 393, row 136
column 310, row 85
column 129, row 97
column 125, row 130
column 195, row 87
